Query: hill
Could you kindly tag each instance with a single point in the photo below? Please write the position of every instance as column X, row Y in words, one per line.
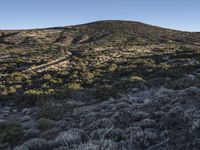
column 101, row 32
column 114, row 84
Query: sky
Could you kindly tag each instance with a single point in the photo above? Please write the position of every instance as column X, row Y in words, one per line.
column 27, row 14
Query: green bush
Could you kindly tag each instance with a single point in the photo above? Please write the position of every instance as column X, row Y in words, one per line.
column 45, row 124
column 33, row 92
column 12, row 90
column 73, row 86
column 10, row 132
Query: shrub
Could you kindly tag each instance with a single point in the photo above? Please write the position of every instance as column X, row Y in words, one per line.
column 33, row 92
column 51, row 91
column 45, row 124
column 36, row 144
column 99, row 145
column 2, row 87
column 181, row 83
column 88, row 76
column 74, row 86
column 136, row 79
column 12, row 90
column 196, row 126
column 108, row 133
column 105, row 92
column 31, row 97
column 48, row 111
column 62, row 148
column 72, row 136
column 47, row 77
column 10, row 132
column 4, row 93
column 18, row 87
column 18, row 77
column 113, row 68
column 100, row 124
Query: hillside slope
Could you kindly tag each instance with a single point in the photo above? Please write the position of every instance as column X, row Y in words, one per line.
column 101, row 32
column 103, row 85
column 92, row 55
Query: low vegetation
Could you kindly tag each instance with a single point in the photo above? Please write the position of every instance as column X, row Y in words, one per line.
column 103, row 85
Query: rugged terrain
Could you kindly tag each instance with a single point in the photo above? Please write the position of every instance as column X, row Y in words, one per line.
column 113, row 85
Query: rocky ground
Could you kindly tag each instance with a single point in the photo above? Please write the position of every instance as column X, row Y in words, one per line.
column 152, row 119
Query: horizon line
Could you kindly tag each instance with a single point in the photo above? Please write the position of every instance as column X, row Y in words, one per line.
column 89, row 22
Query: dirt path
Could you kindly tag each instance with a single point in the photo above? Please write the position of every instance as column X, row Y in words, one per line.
column 47, row 65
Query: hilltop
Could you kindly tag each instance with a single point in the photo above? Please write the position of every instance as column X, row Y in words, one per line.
column 106, row 84
column 101, row 32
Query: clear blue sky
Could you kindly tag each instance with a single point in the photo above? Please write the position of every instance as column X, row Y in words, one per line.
column 177, row 14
